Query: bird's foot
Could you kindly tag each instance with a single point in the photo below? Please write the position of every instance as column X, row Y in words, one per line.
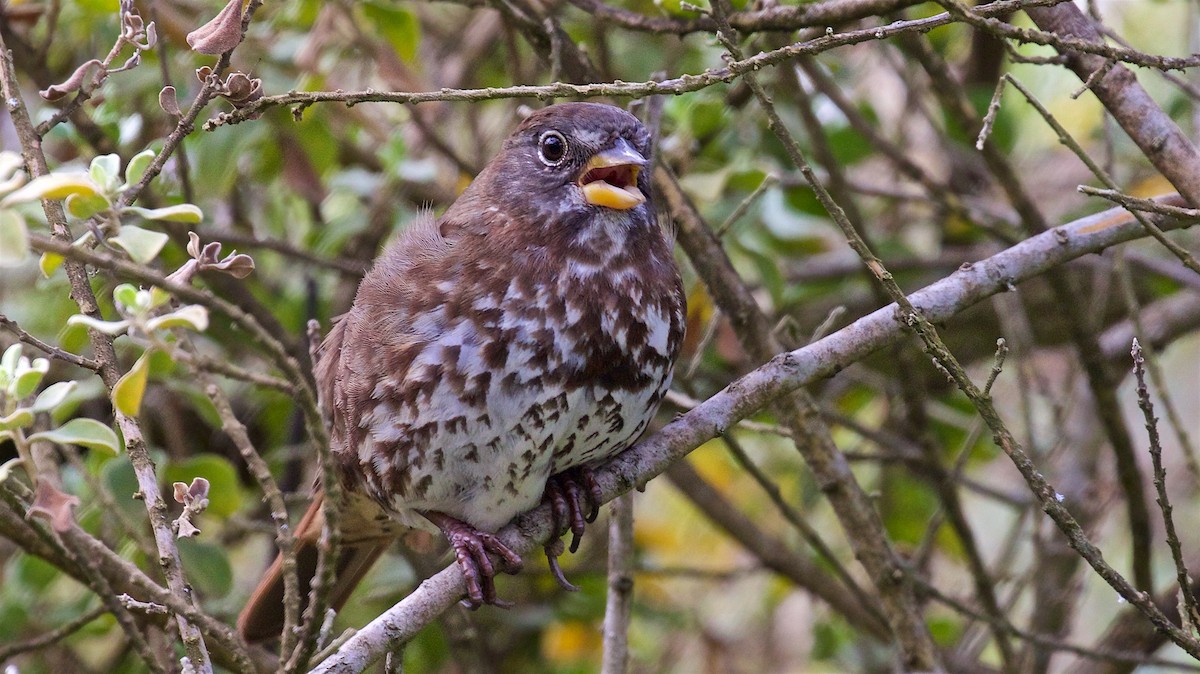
column 472, row 550
column 566, row 493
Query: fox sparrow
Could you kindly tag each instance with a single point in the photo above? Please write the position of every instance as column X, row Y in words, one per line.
column 492, row 355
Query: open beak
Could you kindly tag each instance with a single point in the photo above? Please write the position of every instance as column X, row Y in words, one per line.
column 610, row 178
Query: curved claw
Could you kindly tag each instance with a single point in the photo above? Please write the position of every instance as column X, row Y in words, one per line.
column 574, row 498
column 553, row 550
column 472, row 551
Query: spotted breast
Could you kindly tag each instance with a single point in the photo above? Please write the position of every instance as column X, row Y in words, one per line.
column 493, row 355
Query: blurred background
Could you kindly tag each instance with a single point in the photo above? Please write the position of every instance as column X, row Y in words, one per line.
column 890, row 126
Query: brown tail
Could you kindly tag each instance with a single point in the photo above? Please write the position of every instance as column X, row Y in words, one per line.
column 262, row 618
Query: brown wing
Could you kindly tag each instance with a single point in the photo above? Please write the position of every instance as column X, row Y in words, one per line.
column 377, row 339
column 367, row 344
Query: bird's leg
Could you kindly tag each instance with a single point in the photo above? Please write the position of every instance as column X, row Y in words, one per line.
column 471, row 550
column 566, row 496
column 593, row 489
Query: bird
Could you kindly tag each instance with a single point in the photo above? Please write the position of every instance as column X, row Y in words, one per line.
column 494, row 356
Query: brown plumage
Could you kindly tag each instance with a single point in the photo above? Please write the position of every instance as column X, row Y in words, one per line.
column 493, row 355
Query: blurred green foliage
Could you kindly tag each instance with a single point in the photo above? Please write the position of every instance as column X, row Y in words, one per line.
column 313, row 200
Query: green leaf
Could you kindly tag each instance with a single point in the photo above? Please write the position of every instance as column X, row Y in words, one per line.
column 83, row 432
column 107, row 327
column 397, row 25
column 84, row 206
column 142, row 245
column 224, row 488
column 137, row 167
column 118, row 476
column 35, row 573
column 707, row 117
column 674, row 7
column 192, row 317
column 128, row 391
column 53, row 186
column 29, row 375
column 104, row 171
column 14, row 238
column 7, row 467
column 126, row 295
column 207, row 567
column 12, row 356
column 10, row 168
column 49, row 263
column 158, row 297
column 189, row 213
column 53, row 396
column 20, row 418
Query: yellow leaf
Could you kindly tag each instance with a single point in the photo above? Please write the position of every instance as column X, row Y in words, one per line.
column 571, row 642
column 128, row 392
column 49, row 263
column 714, row 465
column 54, row 186
column 1151, row 187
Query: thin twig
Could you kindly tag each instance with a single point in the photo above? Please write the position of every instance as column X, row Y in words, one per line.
column 1137, row 204
column 227, row 369
column 121, row 575
column 679, row 85
column 1154, row 367
column 997, row 365
column 102, row 345
column 1189, row 615
column 916, row 649
column 1054, row 644
column 1160, row 139
column 284, row 538
column 53, row 636
column 1066, row 298
column 1068, row 140
column 347, row 268
column 619, row 606
column 48, row 349
column 18, row 498
column 768, row 181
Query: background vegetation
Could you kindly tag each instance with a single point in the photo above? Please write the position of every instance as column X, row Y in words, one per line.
column 891, row 517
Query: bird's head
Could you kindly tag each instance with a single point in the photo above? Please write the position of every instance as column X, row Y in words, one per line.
column 572, row 177
column 576, row 157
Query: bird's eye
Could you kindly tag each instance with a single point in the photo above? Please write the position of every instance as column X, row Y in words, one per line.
column 552, row 147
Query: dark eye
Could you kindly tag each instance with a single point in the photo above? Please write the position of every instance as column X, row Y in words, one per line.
column 552, row 147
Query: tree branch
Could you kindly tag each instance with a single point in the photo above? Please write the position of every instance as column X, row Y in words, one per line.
column 675, row 86
column 784, row 373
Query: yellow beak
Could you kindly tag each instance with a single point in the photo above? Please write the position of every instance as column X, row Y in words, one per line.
column 610, row 178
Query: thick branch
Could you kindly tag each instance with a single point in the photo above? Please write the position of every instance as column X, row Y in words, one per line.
column 1159, row 138
column 784, row 373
